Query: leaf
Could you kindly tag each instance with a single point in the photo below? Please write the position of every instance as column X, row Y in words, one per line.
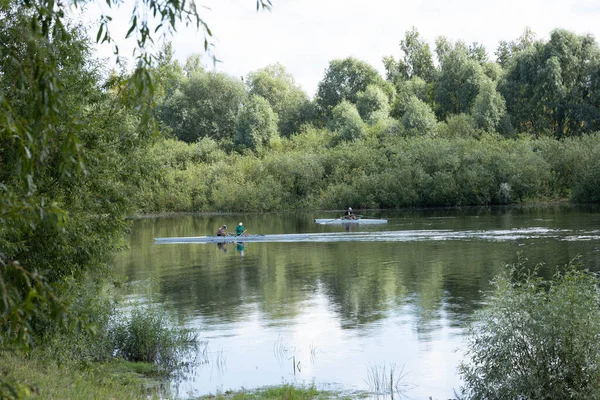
column 100, row 30
column 133, row 26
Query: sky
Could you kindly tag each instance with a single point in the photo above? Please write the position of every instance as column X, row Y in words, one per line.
column 305, row 35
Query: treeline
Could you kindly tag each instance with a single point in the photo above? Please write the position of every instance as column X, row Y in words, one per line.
column 464, row 130
column 538, row 88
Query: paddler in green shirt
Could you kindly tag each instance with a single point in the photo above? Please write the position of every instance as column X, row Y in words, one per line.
column 240, row 231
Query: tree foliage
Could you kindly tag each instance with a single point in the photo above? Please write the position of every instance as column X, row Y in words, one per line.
column 206, row 105
column 373, row 104
column 536, row 338
column 286, row 98
column 416, row 60
column 70, row 145
column 418, row 118
column 256, row 123
column 488, row 107
column 458, row 81
column 343, row 80
column 346, row 120
column 551, row 88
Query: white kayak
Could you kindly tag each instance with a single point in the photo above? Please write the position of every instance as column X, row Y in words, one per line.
column 218, row 239
column 324, row 221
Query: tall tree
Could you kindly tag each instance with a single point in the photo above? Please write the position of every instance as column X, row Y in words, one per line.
column 168, row 73
column 416, row 60
column 507, row 50
column 206, row 105
column 343, row 80
column 286, row 98
column 550, row 88
column 458, row 81
column 489, row 107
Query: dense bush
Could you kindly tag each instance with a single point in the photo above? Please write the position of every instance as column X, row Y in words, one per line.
column 536, row 339
column 379, row 170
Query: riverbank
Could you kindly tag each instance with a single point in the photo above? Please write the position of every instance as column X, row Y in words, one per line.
column 39, row 377
column 45, row 378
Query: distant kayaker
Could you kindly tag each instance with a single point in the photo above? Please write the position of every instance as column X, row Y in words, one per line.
column 222, row 231
column 349, row 214
column 240, row 231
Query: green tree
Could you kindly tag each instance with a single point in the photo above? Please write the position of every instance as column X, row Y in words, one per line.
column 489, row 107
column 507, row 50
column 68, row 154
column 256, row 123
column 287, row 99
column 419, row 119
column 206, row 105
column 168, row 73
column 61, row 219
column 343, row 80
column 193, row 64
column 458, row 81
column 416, row 60
column 550, row 88
column 416, row 87
column 536, row 339
column 478, row 53
column 373, row 104
column 346, row 120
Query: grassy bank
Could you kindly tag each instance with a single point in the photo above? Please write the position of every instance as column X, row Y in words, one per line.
column 44, row 379
column 41, row 378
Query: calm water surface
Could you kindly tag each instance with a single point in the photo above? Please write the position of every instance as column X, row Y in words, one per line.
column 333, row 312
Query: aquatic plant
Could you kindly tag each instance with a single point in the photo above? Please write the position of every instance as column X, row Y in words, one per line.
column 387, row 380
column 148, row 334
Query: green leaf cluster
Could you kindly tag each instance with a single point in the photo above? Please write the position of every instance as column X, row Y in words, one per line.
column 536, row 338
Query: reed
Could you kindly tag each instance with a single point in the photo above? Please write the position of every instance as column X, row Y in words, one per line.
column 387, row 380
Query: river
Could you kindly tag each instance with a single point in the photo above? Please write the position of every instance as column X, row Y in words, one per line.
column 337, row 313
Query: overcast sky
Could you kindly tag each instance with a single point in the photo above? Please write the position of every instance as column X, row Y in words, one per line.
column 304, row 35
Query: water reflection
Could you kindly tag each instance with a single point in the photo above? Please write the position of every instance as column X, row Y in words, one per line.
column 267, row 306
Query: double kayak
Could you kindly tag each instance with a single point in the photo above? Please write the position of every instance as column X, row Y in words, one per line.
column 214, row 239
column 289, row 238
column 324, row 221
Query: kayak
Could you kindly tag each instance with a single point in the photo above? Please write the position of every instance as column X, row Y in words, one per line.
column 324, row 221
column 228, row 239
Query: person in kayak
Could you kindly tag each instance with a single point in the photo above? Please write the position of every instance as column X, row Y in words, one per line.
column 240, row 231
column 349, row 214
column 222, row 231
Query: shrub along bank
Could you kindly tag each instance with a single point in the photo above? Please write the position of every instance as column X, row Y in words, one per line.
column 313, row 170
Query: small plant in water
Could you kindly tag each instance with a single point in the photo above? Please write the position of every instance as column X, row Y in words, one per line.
column 383, row 380
column 149, row 334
